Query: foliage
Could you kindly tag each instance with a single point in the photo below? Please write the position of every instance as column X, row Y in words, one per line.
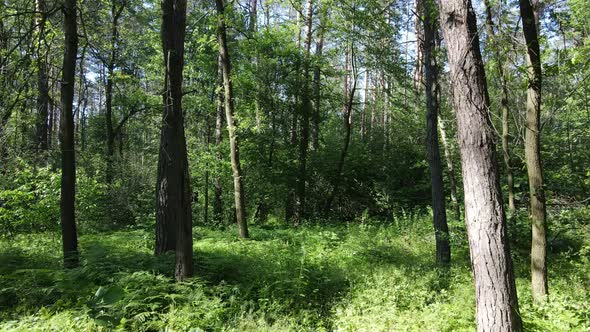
column 370, row 276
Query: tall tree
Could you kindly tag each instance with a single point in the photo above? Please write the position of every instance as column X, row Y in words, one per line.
column 217, row 199
column 305, row 111
column 240, row 205
column 173, row 192
column 116, row 11
column 532, row 149
column 490, row 27
column 42, row 76
column 68, row 154
column 495, row 292
column 441, row 228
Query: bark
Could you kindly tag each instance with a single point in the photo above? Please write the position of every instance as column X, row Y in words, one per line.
column 365, row 105
column 317, row 83
column 450, row 168
column 116, row 14
column 347, row 133
column 68, row 155
column 42, row 77
column 495, row 291
column 532, row 151
column 441, row 229
column 504, row 108
column 240, row 205
column 217, row 200
column 173, row 192
column 419, row 30
column 306, row 107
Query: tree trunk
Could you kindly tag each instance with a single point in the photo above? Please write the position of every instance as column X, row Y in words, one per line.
column 532, row 152
column 495, row 291
column 317, row 83
column 173, row 192
column 42, row 77
column 365, row 105
column 450, row 168
column 441, row 229
column 68, row 155
column 217, row 200
column 116, row 14
column 239, row 198
column 504, row 108
column 306, row 108
column 347, row 132
column 418, row 28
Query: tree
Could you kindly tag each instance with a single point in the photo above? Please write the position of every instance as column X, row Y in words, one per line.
column 42, row 77
column 503, row 105
column 240, row 208
column 532, row 149
column 173, row 192
column 495, row 291
column 68, row 153
column 441, row 229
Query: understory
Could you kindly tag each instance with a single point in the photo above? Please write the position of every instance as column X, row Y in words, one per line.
column 358, row 276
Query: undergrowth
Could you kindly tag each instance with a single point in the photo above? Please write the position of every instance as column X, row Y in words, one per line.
column 369, row 276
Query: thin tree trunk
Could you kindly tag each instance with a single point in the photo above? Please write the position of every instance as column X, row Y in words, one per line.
column 504, row 109
column 68, row 155
column 347, row 132
column 116, row 14
column 495, row 292
column 365, row 105
column 306, row 108
column 532, row 152
column 450, row 168
column 317, row 83
column 173, row 192
column 419, row 30
column 441, row 228
column 217, row 200
column 240, row 208
column 42, row 77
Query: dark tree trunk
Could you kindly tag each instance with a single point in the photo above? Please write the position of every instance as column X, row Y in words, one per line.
column 306, row 108
column 495, row 291
column 317, row 86
column 532, row 151
column 42, row 78
column 347, row 133
column 68, row 155
column 111, row 134
column 240, row 208
column 173, row 192
column 441, row 229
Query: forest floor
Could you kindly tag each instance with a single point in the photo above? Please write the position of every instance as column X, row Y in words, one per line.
column 349, row 277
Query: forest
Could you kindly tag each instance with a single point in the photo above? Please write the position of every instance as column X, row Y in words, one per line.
column 300, row 165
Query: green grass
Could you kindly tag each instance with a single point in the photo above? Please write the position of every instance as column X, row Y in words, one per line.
column 348, row 277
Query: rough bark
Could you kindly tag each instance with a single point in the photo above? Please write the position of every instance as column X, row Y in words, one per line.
column 495, row 291
column 173, row 192
column 532, row 151
column 240, row 205
column 68, row 155
column 42, row 77
column 441, row 228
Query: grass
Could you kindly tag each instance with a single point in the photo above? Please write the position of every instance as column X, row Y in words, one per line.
column 347, row 277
